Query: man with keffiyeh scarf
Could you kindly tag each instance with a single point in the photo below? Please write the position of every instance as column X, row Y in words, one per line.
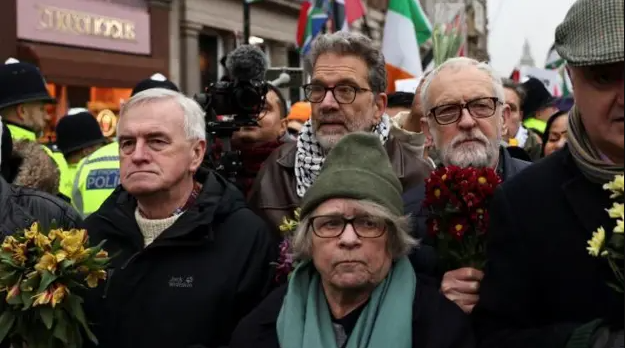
column 541, row 288
column 347, row 95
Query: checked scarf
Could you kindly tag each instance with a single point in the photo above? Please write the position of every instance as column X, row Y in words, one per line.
column 309, row 157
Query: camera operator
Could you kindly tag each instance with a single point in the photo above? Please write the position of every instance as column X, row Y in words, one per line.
column 256, row 143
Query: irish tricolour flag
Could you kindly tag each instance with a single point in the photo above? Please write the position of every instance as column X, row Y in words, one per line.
column 406, row 28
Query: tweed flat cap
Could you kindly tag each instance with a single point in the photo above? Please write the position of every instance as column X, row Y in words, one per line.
column 592, row 33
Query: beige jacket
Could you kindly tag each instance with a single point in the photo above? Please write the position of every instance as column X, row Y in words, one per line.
column 414, row 140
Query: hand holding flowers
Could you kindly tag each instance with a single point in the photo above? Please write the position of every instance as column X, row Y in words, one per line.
column 38, row 274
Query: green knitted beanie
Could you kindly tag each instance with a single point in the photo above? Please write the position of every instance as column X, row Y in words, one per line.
column 357, row 167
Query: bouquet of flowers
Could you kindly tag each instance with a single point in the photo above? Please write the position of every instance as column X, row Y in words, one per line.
column 38, row 274
column 457, row 201
column 612, row 249
column 449, row 31
column 286, row 263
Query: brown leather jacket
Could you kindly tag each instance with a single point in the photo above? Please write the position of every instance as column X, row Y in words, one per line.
column 273, row 195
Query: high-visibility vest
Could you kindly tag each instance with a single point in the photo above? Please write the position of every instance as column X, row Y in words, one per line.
column 536, row 124
column 96, row 178
column 19, row 133
column 67, row 181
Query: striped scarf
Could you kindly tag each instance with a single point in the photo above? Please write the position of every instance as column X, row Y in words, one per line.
column 586, row 156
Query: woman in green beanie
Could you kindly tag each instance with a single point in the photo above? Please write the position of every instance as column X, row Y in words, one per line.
column 353, row 286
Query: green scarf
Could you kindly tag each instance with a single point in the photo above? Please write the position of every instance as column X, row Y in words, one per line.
column 586, row 156
column 305, row 321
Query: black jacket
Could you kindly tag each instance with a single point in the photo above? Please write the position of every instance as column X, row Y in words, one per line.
column 192, row 285
column 436, row 322
column 540, row 283
column 424, row 259
column 21, row 206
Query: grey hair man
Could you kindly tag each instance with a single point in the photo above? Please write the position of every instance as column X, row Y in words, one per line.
column 174, row 226
column 464, row 112
column 542, row 286
column 347, row 93
column 354, row 282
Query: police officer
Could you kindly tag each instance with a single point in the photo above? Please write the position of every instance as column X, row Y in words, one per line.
column 78, row 135
column 98, row 174
column 23, row 97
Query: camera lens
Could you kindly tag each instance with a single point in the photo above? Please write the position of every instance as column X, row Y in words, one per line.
column 248, row 99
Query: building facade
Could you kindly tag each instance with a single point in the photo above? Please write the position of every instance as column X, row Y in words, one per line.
column 204, row 31
column 91, row 52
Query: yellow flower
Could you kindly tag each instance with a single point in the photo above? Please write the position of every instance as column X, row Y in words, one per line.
column 19, row 254
column 617, row 211
column 60, row 255
column 617, row 186
column 83, row 254
column 54, row 234
column 46, row 263
column 595, row 245
column 59, row 294
column 482, row 180
column 620, row 227
column 73, row 242
column 15, row 291
column 102, row 254
column 9, row 244
column 93, row 278
column 42, row 242
column 42, row 298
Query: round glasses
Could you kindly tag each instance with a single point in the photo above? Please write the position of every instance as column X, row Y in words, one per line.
column 332, row 226
column 343, row 94
column 478, row 108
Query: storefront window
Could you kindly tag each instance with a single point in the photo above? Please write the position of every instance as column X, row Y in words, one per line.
column 209, row 60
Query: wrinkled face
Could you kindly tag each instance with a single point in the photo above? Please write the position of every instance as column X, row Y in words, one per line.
column 516, row 116
column 470, row 141
column 599, row 98
column 155, row 154
column 271, row 125
column 332, row 120
column 557, row 134
column 34, row 115
column 349, row 262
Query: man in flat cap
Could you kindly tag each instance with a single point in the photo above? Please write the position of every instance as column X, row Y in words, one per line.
column 542, row 287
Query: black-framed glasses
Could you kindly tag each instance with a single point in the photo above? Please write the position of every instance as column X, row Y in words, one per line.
column 343, row 94
column 332, row 226
column 478, row 108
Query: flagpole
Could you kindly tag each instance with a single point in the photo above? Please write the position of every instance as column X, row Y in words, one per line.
column 246, row 22
column 335, row 16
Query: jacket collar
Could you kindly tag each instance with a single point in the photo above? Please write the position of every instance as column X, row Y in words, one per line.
column 288, row 152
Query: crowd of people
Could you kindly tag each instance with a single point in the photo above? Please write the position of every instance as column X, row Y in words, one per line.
column 196, row 254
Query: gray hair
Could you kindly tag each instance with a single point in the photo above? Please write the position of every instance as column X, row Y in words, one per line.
column 345, row 43
column 400, row 242
column 194, row 122
column 457, row 64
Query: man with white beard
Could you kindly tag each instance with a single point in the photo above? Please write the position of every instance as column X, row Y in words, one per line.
column 464, row 106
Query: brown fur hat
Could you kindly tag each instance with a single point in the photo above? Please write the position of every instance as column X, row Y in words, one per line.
column 36, row 169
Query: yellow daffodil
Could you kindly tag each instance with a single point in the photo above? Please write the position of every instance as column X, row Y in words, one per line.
column 46, row 263
column 595, row 245
column 620, row 227
column 59, row 294
column 94, row 277
column 42, row 298
column 15, row 291
column 73, row 242
column 617, row 211
column 617, row 186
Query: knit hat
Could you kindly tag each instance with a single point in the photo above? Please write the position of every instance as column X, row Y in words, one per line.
column 357, row 167
column 78, row 130
column 155, row 81
column 300, row 111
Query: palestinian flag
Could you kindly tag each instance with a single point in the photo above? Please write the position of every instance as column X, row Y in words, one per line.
column 554, row 61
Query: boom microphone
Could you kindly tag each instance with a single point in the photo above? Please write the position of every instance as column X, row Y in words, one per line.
column 247, row 63
column 284, row 78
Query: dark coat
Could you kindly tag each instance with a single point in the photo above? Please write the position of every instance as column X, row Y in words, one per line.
column 540, row 283
column 193, row 284
column 424, row 258
column 437, row 322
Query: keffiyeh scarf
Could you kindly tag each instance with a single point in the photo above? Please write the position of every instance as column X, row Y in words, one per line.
column 309, row 157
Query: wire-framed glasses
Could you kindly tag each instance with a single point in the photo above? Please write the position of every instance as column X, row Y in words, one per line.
column 478, row 108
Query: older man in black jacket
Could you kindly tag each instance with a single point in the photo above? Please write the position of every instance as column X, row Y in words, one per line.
column 192, row 259
column 542, row 288
column 465, row 109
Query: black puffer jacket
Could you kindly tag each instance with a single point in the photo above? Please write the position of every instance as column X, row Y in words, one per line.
column 191, row 286
column 21, row 206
